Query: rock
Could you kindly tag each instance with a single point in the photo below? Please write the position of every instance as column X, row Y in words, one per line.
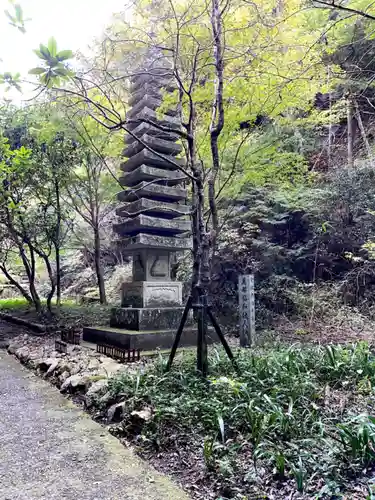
column 64, row 376
column 105, row 399
column 75, row 382
column 94, row 391
column 115, row 412
column 144, row 415
column 23, row 354
column 34, row 363
column 4, row 344
column 14, row 346
column 63, row 366
column 52, row 366
column 93, row 364
column 109, row 367
column 45, row 363
column 74, row 368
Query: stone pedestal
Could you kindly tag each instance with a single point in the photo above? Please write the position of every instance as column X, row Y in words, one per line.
column 152, row 294
column 153, row 218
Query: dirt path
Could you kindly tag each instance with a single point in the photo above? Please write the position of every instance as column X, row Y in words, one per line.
column 50, row 449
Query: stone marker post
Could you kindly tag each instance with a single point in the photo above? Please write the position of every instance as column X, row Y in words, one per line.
column 246, row 300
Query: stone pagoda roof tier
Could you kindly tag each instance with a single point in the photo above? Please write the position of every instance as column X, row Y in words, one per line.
column 146, row 157
column 152, row 241
column 152, row 191
column 152, row 225
column 153, row 207
column 146, row 173
column 156, row 143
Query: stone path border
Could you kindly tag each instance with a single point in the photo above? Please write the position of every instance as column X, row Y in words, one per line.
column 50, row 449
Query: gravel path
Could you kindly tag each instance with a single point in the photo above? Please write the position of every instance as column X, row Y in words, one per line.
column 49, row 449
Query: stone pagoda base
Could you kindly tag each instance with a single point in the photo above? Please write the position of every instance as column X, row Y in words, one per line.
column 146, row 329
column 145, row 341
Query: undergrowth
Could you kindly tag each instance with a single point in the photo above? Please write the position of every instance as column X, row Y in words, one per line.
column 69, row 314
column 303, row 415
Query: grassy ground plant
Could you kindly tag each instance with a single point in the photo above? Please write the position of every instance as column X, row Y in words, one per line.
column 70, row 312
column 296, row 417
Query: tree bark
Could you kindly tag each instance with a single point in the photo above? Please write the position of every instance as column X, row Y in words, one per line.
column 362, row 129
column 98, row 266
column 56, row 241
column 217, row 119
column 349, row 109
column 18, row 285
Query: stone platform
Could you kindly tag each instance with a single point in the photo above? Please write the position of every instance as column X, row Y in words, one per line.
column 145, row 341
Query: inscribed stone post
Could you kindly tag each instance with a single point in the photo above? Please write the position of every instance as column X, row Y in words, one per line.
column 246, row 310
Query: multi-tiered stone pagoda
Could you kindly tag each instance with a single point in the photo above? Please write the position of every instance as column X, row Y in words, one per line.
column 153, row 218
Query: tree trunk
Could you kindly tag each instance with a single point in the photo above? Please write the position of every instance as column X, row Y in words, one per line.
column 217, row 119
column 58, row 275
column 363, row 131
column 52, row 281
column 57, row 240
column 98, row 266
column 19, row 287
column 349, row 109
column 30, row 270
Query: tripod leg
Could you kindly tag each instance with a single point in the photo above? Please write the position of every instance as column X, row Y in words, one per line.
column 220, row 334
column 202, row 361
column 179, row 333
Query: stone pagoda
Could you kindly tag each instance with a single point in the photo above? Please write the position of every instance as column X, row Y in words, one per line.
column 154, row 220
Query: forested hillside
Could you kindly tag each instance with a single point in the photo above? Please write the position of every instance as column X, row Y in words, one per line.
column 288, row 91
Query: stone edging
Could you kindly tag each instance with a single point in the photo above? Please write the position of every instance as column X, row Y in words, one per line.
column 35, row 327
column 81, row 371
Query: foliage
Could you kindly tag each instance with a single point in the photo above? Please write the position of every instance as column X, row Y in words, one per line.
column 281, row 403
column 54, row 68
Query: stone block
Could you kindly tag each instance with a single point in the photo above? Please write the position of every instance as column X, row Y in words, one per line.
column 145, row 341
column 152, row 265
column 148, row 101
column 152, row 225
column 147, row 319
column 146, row 157
column 146, row 173
column 152, row 79
column 149, row 89
column 153, row 207
column 147, row 128
column 154, row 191
column 170, row 122
column 164, row 146
column 152, row 294
column 147, row 241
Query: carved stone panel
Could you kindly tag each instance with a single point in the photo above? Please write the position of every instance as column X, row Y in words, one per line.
column 152, row 294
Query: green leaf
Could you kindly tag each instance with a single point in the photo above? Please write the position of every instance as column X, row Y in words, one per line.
column 52, row 46
column 9, row 16
column 38, row 53
column 44, row 52
column 19, row 12
column 60, row 71
column 63, row 55
column 37, row 71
